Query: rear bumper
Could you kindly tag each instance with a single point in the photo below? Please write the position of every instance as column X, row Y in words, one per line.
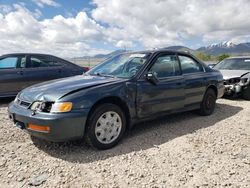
column 63, row 127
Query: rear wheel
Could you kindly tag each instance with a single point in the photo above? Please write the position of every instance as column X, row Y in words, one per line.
column 207, row 105
column 106, row 126
column 246, row 93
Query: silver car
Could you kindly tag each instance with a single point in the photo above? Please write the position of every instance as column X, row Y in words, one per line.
column 236, row 75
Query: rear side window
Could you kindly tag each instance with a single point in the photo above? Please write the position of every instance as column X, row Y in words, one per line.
column 42, row 61
column 8, row 63
column 165, row 66
column 188, row 65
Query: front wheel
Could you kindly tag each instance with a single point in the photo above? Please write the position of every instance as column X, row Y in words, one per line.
column 207, row 105
column 106, row 126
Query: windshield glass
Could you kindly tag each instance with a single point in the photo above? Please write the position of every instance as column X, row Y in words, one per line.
column 122, row 66
column 234, row 64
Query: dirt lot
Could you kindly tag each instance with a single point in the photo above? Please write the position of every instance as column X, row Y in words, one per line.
column 183, row 150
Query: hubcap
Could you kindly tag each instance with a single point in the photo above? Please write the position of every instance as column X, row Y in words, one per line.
column 108, row 127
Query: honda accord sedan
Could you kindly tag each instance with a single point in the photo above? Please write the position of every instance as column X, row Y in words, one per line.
column 19, row 71
column 128, row 88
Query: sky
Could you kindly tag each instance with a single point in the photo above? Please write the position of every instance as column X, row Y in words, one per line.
column 76, row 28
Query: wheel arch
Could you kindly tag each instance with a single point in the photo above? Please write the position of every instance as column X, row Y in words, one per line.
column 113, row 100
column 213, row 87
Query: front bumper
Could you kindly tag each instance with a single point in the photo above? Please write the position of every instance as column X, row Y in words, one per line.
column 63, row 126
column 233, row 89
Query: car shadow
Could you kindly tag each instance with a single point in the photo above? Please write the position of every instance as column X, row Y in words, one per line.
column 142, row 136
column 4, row 102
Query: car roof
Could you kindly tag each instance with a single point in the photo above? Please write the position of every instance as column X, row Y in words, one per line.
column 160, row 50
column 25, row 54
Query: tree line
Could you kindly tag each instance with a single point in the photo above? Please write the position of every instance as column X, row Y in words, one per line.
column 207, row 57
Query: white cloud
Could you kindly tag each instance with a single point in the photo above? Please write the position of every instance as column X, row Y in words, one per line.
column 42, row 3
column 158, row 23
column 123, row 24
column 21, row 32
column 124, row 44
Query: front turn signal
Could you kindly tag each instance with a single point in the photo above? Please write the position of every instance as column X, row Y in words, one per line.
column 61, row 107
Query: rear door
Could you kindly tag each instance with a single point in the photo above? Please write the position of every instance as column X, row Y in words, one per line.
column 40, row 68
column 167, row 94
column 195, row 80
column 11, row 75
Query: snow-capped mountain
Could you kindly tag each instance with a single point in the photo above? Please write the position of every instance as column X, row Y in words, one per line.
column 225, row 44
column 226, row 47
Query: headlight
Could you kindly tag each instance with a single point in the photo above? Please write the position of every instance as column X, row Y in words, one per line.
column 244, row 81
column 41, row 106
column 61, row 107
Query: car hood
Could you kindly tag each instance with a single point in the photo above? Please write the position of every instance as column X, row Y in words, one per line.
column 56, row 89
column 227, row 74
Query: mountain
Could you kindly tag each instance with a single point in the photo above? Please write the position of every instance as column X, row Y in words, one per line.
column 105, row 56
column 226, row 47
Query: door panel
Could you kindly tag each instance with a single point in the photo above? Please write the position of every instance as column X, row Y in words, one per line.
column 10, row 81
column 167, row 95
column 195, row 80
column 195, row 88
column 11, row 78
column 37, row 75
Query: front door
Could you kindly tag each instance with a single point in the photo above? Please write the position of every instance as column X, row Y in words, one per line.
column 167, row 94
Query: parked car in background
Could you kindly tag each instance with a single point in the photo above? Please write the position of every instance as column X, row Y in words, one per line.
column 116, row 94
column 21, row 70
column 236, row 74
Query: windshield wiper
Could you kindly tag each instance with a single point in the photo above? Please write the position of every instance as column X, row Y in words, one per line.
column 105, row 75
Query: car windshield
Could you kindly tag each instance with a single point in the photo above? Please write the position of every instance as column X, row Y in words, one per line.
column 121, row 66
column 234, row 64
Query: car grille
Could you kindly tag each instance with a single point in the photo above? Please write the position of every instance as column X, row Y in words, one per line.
column 22, row 103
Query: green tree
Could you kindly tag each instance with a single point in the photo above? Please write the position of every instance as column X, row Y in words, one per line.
column 203, row 56
column 222, row 56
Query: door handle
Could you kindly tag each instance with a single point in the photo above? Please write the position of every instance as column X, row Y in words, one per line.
column 20, row 72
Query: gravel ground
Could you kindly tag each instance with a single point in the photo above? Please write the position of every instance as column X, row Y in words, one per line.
column 183, row 150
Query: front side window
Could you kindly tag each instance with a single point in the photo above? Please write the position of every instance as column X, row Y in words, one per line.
column 188, row 65
column 121, row 66
column 40, row 61
column 8, row 63
column 165, row 66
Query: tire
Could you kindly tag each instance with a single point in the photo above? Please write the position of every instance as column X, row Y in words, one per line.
column 246, row 93
column 208, row 103
column 105, row 126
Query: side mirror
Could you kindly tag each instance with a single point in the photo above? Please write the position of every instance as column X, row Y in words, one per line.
column 211, row 65
column 151, row 77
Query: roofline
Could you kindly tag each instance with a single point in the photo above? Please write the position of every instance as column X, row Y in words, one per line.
column 25, row 54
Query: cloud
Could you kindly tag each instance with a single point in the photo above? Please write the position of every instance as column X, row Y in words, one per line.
column 123, row 24
column 157, row 23
column 21, row 31
column 42, row 3
column 124, row 44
